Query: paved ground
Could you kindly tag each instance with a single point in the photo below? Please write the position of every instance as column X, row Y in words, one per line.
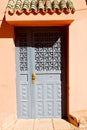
column 43, row 124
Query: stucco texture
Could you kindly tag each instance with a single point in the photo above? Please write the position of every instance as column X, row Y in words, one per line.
column 7, row 75
column 77, row 63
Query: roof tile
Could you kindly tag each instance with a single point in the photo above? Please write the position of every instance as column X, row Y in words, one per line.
column 26, row 5
column 36, row 6
column 56, row 5
column 63, row 5
column 41, row 6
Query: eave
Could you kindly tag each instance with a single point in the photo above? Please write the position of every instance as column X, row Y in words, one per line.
column 39, row 20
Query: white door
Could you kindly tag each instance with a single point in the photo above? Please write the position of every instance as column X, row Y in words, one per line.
column 38, row 53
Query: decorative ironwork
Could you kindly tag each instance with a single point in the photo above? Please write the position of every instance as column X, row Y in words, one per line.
column 48, row 54
column 22, row 39
column 23, row 59
column 23, row 51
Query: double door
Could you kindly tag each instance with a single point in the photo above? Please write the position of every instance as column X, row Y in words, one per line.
column 38, row 63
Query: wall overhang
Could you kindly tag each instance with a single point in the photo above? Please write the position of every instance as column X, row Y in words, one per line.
column 45, row 20
column 40, row 13
column 39, row 20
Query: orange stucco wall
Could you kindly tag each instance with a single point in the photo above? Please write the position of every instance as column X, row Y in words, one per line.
column 7, row 76
column 77, row 62
column 78, row 65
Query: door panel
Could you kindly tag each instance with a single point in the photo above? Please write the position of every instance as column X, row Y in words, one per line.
column 47, row 67
column 23, row 76
column 39, row 87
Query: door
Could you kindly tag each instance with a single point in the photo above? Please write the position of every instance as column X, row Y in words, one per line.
column 39, row 87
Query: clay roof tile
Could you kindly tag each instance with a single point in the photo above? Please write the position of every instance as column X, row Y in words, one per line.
column 48, row 6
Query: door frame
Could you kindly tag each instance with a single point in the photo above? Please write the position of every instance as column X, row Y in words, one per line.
column 65, row 70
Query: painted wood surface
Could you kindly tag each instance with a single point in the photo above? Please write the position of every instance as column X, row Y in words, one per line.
column 38, row 52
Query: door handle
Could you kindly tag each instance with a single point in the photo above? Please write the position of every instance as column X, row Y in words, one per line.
column 33, row 77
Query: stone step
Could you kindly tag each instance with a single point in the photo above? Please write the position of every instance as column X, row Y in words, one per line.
column 79, row 118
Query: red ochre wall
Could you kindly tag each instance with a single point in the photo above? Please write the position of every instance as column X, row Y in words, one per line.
column 7, row 76
column 78, row 65
column 77, row 59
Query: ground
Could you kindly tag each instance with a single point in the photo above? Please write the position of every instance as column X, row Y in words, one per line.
column 43, row 124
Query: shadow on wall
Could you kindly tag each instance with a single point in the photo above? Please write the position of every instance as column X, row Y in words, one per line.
column 6, row 30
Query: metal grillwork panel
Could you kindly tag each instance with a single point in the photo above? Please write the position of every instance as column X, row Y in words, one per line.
column 23, row 39
column 23, row 59
column 23, row 96
column 23, row 51
column 39, row 51
column 47, row 51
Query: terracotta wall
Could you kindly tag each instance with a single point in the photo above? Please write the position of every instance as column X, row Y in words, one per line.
column 78, row 65
column 77, row 68
column 7, row 76
column 78, row 59
column 79, row 4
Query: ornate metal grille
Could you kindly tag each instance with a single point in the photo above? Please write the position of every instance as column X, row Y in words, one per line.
column 23, row 51
column 23, row 39
column 23, row 59
column 47, row 51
